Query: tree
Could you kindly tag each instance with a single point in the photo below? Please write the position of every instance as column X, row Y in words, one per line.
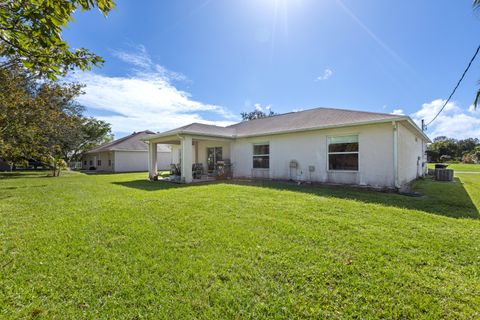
column 89, row 134
column 476, row 153
column 443, row 147
column 30, row 35
column 19, row 136
column 476, row 5
column 448, row 148
column 43, row 121
column 466, row 146
column 256, row 114
column 440, row 138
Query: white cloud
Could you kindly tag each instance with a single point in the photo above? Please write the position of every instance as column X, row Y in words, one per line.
column 140, row 58
column 259, row 107
column 453, row 121
column 327, row 73
column 472, row 109
column 147, row 99
column 398, row 112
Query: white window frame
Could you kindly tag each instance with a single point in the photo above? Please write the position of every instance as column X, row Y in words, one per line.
column 348, row 152
column 261, row 155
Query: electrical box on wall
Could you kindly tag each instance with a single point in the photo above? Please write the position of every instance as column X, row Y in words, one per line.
column 311, row 168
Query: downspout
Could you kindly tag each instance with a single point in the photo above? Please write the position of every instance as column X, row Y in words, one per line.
column 395, row 155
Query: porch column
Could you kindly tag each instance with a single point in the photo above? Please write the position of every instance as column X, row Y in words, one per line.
column 187, row 159
column 152, row 160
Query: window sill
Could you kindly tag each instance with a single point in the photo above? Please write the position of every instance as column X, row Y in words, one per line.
column 347, row 171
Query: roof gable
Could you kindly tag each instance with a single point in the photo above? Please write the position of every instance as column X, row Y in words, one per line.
column 131, row 142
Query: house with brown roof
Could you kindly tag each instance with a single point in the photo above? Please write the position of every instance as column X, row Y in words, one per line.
column 127, row 154
column 317, row 145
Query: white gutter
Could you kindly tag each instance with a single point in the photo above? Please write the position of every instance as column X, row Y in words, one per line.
column 395, row 154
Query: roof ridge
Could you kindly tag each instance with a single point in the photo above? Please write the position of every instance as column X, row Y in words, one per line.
column 205, row 124
column 312, row 109
column 267, row 117
column 362, row 111
column 120, row 140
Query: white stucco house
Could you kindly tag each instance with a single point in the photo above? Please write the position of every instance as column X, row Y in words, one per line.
column 319, row 145
column 127, row 154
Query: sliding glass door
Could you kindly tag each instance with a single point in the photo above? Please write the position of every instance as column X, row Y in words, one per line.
column 213, row 156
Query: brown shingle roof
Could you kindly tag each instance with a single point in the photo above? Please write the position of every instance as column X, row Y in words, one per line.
column 308, row 119
column 318, row 118
column 203, row 129
column 130, row 143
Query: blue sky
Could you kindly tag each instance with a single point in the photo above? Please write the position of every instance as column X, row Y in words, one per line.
column 170, row 63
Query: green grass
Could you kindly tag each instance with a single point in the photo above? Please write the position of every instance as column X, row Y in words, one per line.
column 460, row 167
column 120, row 247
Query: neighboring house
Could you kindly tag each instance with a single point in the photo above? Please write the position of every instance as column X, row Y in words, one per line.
column 127, row 154
column 319, row 145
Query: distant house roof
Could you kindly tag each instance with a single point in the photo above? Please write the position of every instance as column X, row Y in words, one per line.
column 318, row 118
column 131, row 142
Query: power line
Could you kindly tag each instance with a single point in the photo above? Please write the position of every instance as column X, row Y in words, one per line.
column 456, row 87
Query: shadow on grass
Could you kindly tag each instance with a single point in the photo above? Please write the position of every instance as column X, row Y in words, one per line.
column 147, row 185
column 23, row 187
column 17, row 175
column 441, row 198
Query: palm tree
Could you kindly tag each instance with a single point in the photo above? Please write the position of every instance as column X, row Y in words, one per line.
column 476, row 5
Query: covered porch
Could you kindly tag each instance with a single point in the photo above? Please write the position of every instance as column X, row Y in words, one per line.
column 195, row 158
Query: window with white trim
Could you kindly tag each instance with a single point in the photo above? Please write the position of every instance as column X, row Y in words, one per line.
column 343, row 153
column 261, row 156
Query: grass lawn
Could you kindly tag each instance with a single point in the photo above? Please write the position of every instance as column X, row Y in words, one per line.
column 118, row 246
column 460, row 167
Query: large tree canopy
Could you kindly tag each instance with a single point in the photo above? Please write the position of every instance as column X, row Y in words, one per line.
column 30, row 35
column 444, row 148
column 43, row 121
column 86, row 135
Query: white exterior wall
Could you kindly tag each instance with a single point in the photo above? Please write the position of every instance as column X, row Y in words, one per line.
column 411, row 149
column 125, row 161
column 129, row 161
column 175, row 156
column 103, row 157
column 310, row 149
